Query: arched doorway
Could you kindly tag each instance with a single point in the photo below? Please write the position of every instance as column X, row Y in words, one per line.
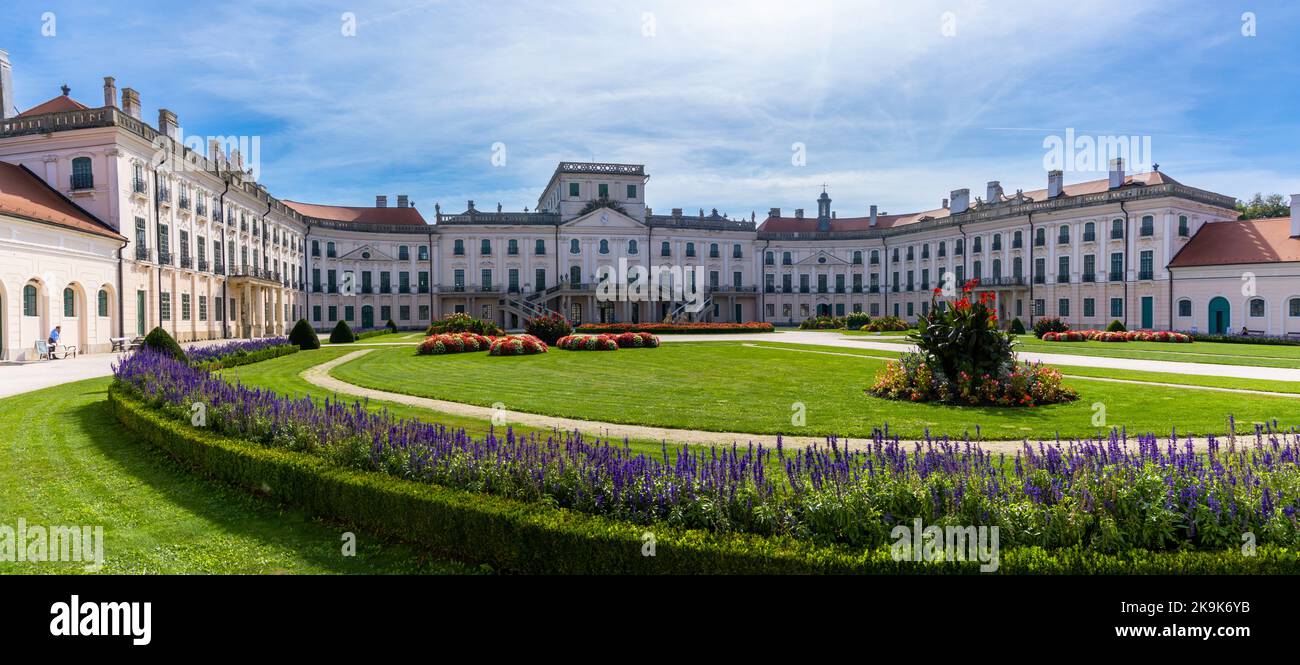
column 1220, row 320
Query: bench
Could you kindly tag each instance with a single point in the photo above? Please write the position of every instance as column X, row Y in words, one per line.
column 1255, row 333
column 1293, row 335
column 44, row 350
column 125, row 343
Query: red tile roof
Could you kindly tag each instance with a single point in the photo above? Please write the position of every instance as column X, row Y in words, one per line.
column 396, row 216
column 24, row 194
column 858, row 224
column 1240, row 242
column 56, row 105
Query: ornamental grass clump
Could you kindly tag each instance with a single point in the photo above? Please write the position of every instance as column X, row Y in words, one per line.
column 1107, row 494
column 963, row 358
column 517, row 345
column 438, row 345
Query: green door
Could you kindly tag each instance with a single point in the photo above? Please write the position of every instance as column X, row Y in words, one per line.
column 1220, row 320
column 139, row 312
column 367, row 317
column 1148, row 312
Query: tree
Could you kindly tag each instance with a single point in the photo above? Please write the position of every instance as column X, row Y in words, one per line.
column 303, row 335
column 1260, row 207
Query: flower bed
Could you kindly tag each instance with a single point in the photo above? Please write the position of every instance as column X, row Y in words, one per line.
column 588, row 343
column 1108, row 336
column 637, row 340
column 461, row 322
column 964, row 359
column 1100, row 495
column 886, row 324
column 676, row 328
column 822, row 323
column 437, row 345
column 517, row 345
column 234, row 354
column 1073, row 336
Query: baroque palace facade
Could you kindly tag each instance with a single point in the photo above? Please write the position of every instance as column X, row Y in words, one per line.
column 110, row 226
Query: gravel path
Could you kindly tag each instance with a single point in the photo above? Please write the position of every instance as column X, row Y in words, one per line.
column 319, row 375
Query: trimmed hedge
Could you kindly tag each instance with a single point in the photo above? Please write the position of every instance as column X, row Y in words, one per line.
column 533, row 538
column 242, row 358
column 676, row 328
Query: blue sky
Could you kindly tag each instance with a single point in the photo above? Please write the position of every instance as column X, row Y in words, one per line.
column 897, row 103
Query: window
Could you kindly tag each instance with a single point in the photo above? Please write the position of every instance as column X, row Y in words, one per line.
column 1063, row 236
column 737, row 252
column 604, row 246
column 575, row 275
column 978, row 246
column 485, row 246
column 424, row 252
column 1063, row 307
column 665, row 249
column 203, row 308
column 1063, row 270
column 1183, row 231
column 1116, row 307
column 458, row 279
column 539, row 247
column 1116, row 229
column 1040, row 271
column 787, row 259
column 875, row 256
column 69, row 303
column 603, row 191
column 977, row 270
column 1146, row 264
column 403, row 253
column 1040, row 237
column 690, row 249
column 857, row 258
column 1295, row 307
column 315, row 312
column 1257, row 307
column 1017, row 240
column 1148, row 225
column 631, row 247
column 1117, row 267
column 1184, row 307
column 575, row 247
column 458, row 248
column 997, row 241
column 404, row 312
column 769, row 258
column 165, row 306
column 1089, row 232
column 82, row 176
column 185, row 307
column 573, row 190
column 539, row 279
column 1089, row 308
column 424, row 312
column 349, row 312
column 103, row 302
column 713, row 250
column 512, row 247
column 385, row 313
column 334, row 312
column 331, row 253
column 1040, row 307
column 631, row 191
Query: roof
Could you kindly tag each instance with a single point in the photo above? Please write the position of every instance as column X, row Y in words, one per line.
column 1240, row 242
column 24, row 194
column 388, row 216
column 860, row 224
column 57, row 105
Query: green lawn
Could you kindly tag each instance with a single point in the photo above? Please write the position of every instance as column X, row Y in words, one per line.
column 67, row 462
column 726, row 386
column 1214, row 353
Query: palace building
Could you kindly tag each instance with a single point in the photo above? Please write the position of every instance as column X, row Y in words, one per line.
column 110, row 226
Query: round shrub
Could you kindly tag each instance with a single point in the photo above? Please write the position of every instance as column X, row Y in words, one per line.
column 588, row 343
column 517, row 345
column 391, row 325
column 855, row 320
column 633, row 340
column 1049, row 324
column 159, row 340
column 342, row 334
column 304, row 336
column 1072, row 336
column 549, row 327
column 1017, row 326
column 1115, row 326
column 437, row 345
column 822, row 323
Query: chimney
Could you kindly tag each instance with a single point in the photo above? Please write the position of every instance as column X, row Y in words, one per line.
column 960, row 201
column 237, row 159
column 993, row 194
column 798, row 213
column 874, row 217
column 7, row 108
column 1295, row 215
column 131, row 103
column 677, row 212
column 403, row 201
column 110, row 91
column 167, row 124
column 214, row 151
column 774, row 212
column 1117, row 173
column 381, row 201
column 945, row 204
column 1055, row 183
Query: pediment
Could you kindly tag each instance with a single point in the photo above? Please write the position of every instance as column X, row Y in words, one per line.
column 604, row 218
column 822, row 258
column 366, row 253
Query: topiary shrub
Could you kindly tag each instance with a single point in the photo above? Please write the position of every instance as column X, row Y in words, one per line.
column 304, row 336
column 549, row 327
column 1017, row 326
column 856, row 320
column 1049, row 324
column 1115, row 326
column 159, row 340
column 391, row 325
column 342, row 334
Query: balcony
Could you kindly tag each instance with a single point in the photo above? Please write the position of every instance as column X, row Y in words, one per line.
column 769, row 289
column 1146, row 275
column 187, row 262
column 316, row 288
column 366, row 290
column 1117, row 276
column 1017, row 244
column 424, row 288
column 1089, row 277
column 874, row 288
column 1117, row 234
column 385, row 289
column 141, row 253
column 804, row 289
column 1062, row 279
column 1040, row 279
column 404, row 290
column 164, row 196
column 1090, row 237
column 81, row 181
column 139, row 186
column 164, row 258
column 219, row 269
column 185, row 202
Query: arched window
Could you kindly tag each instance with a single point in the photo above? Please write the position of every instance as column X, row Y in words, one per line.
column 103, row 302
column 769, row 259
column 997, row 268
column 1148, row 225
column 997, row 241
column 1089, row 232
column 1182, row 226
column 1040, row 237
column 857, row 257
column 1257, row 307
column 1017, row 239
column 713, row 250
column 875, row 256
column 574, row 246
column 1063, row 236
column 631, row 247
column 665, row 249
column 82, row 175
column 1185, row 307
column 604, row 246
column 575, row 274
column 979, row 270
column 1017, row 267
column 69, row 302
column 979, row 244
column 1295, row 308
column 29, row 300
column 1116, row 229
